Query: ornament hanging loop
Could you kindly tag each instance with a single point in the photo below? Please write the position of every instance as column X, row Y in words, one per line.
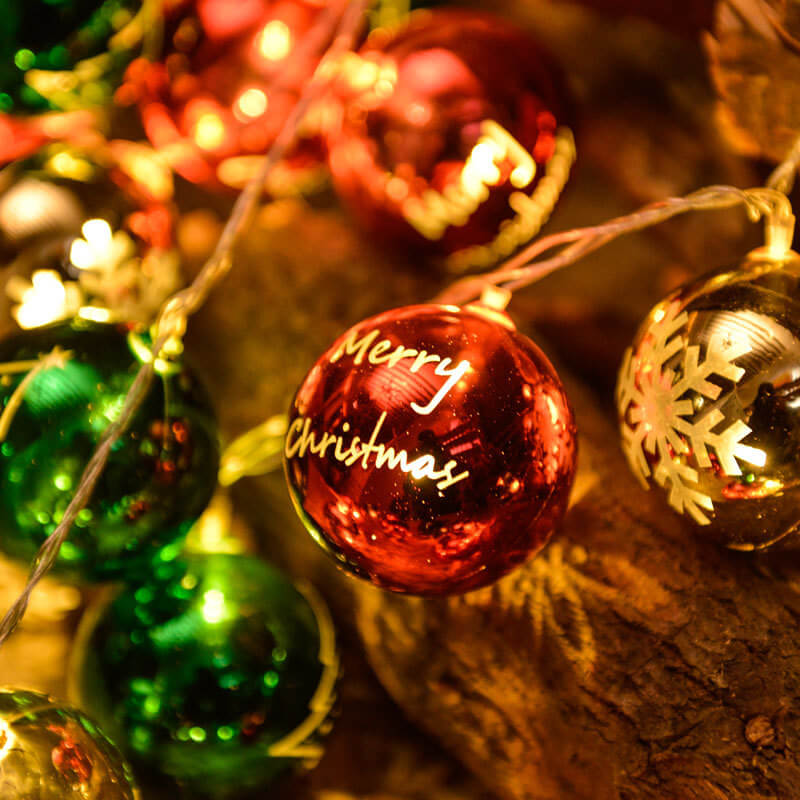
column 779, row 220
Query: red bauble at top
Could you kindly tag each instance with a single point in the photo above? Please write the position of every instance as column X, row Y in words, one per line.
column 431, row 449
column 450, row 137
column 232, row 74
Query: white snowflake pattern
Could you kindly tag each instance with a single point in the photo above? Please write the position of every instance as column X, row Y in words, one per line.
column 658, row 418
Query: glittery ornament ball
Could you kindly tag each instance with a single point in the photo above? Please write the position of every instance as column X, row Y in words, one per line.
column 42, row 42
column 217, row 673
column 708, row 399
column 431, row 449
column 49, row 751
column 32, row 209
column 452, row 136
column 60, row 388
column 230, row 77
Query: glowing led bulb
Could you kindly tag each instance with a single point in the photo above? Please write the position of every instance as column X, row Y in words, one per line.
column 213, row 606
column 98, row 233
column 275, row 41
column 45, row 300
column 209, row 131
column 96, row 249
column 252, row 103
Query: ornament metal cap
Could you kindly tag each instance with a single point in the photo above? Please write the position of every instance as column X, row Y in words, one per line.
column 492, row 305
column 779, row 235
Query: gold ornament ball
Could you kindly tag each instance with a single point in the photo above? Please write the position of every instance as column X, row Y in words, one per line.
column 49, row 751
column 708, row 398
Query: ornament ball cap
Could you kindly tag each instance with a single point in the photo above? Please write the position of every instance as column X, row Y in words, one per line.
column 492, row 305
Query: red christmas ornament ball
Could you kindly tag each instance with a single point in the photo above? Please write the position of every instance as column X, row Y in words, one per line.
column 232, row 74
column 431, row 449
column 447, row 130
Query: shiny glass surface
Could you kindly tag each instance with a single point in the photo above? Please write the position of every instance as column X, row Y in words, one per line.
column 230, row 76
column 49, row 751
column 216, row 672
column 727, row 448
column 413, row 157
column 431, row 449
column 159, row 477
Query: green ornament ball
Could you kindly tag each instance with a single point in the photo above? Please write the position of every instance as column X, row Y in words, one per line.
column 49, row 751
column 39, row 38
column 217, row 673
column 159, row 477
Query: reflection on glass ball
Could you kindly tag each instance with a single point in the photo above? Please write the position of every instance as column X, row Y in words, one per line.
column 216, row 672
column 709, row 402
column 49, row 751
column 431, row 449
column 451, row 139
column 158, row 478
column 231, row 76
column 33, row 208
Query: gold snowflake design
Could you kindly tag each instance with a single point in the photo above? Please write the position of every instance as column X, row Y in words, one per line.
column 657, row 417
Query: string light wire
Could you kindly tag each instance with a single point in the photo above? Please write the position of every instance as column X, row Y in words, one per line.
column 523, row 270
column 174, row 314
column 782, row 177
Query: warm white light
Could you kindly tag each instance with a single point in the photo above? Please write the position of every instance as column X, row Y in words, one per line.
column 80, row 254
column 69, row 166
column 7, row 739
column 752, row 455
column 163, row 366
column 482, row 157
column 95, row 314
column 96, row 248
column 365, row 74
column 31, row 207
column 433, row 212
column 213, row 606
column 522, row 175
column 275, row 41
column 779, row 230
column 101, row 249
column 252, row 103
column 209, row 131
column 46, row 300
column 98, row 233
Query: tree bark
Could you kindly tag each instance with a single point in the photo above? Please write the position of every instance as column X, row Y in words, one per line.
column 630, row 660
